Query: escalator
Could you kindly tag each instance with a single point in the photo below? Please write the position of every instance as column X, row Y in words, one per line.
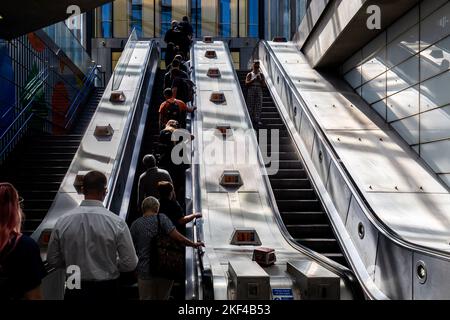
column 149, row 143
column 299, row 206
column 39, row 164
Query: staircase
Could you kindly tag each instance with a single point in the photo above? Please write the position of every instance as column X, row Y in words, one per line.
column 39, row 164
column 297, row 201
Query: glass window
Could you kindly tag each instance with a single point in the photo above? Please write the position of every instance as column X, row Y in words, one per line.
column 253, row 16
column 106, row 20
column 136, row 17
column 225, row 18
column 166, row 16
column 196, row 13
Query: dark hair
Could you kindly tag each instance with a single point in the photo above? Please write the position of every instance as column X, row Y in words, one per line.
column 186, row 19
column 178, row 57
column 149, row 161
column 94, row 181
column 165, row 189
column 168, row 93
column 176, row 63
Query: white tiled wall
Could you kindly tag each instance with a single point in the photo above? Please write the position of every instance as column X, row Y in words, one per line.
column 404, row 74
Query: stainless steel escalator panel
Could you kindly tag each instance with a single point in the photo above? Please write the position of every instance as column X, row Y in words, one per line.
column 226, row 209
column 379, row 194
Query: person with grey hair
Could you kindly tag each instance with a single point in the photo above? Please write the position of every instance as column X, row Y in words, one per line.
column 143, row 231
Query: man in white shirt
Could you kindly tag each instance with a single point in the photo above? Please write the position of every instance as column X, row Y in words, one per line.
column 94, row 239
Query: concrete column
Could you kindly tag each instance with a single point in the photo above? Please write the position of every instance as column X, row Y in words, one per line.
column 121, row 15
column 151, row 18
column 209, row 17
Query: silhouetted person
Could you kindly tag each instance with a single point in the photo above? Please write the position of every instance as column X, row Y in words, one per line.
column 170, row 53
column 173, row 109
column 148, row 181
column 183, row 67
column 171, row 208
column 21, row 267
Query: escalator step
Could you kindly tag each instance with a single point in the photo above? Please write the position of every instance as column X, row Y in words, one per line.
column 310, row 231
column 294, row 218
column 326, row 245
column 301, row 194
column 299, row 205
column 290, row 183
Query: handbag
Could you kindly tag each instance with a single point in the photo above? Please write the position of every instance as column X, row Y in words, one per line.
column 167, row 256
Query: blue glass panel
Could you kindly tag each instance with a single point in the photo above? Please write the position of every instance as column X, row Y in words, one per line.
column 225, row 18
column 196, row 13
column 107, row 20
column 253, row 16
column 136, row 17
column 166, row 15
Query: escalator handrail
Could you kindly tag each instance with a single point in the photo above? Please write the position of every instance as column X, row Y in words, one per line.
column 202, row 265
column 368, row 212
column 127, row 194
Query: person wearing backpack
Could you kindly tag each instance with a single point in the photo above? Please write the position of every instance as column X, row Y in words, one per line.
column 173, row 109
column 21, row 267
column 178, row 80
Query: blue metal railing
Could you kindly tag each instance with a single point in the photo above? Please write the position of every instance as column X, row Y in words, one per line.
column 16, row 130
column 80, row 98
column 21, row 123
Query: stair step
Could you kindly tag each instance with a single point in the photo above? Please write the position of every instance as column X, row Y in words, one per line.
column 291, row 174
column 38, row 204
column 294, row 218
column 291, row 164
column 49, row 156
column 299, row 205
column 324, row 246
column 290, row 183
column 310, row 231
column 288, row 194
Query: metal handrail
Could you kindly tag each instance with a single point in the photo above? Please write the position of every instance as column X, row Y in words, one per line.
column 124, row 60
column 82, row 94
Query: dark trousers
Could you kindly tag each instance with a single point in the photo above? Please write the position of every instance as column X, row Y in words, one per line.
column 94, row 290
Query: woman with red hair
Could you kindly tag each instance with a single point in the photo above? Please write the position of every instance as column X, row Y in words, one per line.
column 21, row 267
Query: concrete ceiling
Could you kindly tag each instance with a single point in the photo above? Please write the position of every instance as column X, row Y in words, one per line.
column 23, row 16
column 355, row 35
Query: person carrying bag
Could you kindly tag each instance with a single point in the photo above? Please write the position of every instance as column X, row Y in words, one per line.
column 160, row 249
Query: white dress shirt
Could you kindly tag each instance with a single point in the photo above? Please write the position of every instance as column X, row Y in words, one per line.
column 94, row 239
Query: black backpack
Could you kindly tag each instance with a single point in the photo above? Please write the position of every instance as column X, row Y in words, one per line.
column 190, row 90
